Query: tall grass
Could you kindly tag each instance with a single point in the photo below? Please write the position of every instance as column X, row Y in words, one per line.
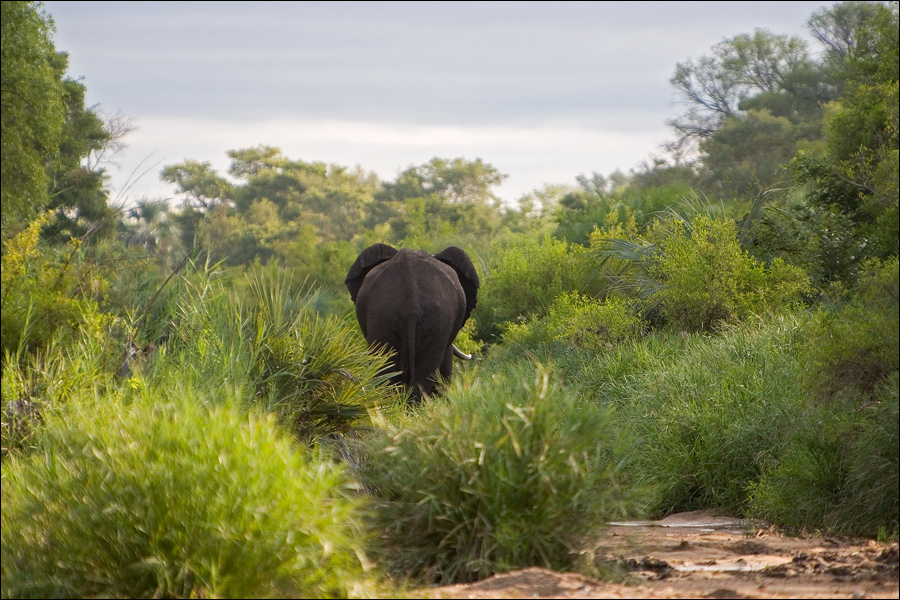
column 317, row 373
column 264, row 343
column 843, row 455
column 839, row 471
column 711, row 413
column 507, row 472
column 154, row 495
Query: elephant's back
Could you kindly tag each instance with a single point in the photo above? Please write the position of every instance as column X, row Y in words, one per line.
column 414, row 285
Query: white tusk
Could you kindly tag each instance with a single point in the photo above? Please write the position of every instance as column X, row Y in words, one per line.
column 460, row 354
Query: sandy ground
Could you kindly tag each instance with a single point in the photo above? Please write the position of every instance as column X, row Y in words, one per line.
column 701, row 555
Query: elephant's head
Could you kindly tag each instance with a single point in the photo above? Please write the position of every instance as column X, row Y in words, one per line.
column 414, row 304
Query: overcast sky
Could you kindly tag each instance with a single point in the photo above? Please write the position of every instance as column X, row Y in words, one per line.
column 543, row 91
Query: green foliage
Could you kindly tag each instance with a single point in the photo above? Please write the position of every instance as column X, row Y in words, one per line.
column 202, row 186
column 315, row 373
column 748, row 151
column 77, row 182
column 758, row 71
column 438, row 204
column 161, row 497
column 151, row 226
column 49, row 137
column 706, row 280
column 33, row 112
column 524, row 277
column 579, row 321
column 712, row 413
column 505, row 474
column 456, row 181
column 794, row 228
column 263, row 342
column 46, row 292
column 50, row 377
column 857, row 178
column 851, row 349
column 842, row 459
column 638, row 200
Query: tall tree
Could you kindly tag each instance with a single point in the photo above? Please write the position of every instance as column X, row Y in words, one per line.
column 762, row 70
column 440, row 199
column 456, row 181
column 859, row 175
column 838, row 27
column 202, row 187
column 33, row 111
column 77, row 178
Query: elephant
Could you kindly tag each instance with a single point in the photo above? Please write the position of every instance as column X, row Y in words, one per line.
column 413, row 304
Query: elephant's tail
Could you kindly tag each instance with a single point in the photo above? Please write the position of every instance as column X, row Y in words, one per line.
column 408, row 354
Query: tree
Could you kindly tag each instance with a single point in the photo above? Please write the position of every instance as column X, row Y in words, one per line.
column 33, row 112
column 859, row 175
column 746, row 66
column 77, row 181
column 457, row 181
column 202, row 186
column 845, row 208
column 440, row 199
column 838, row 27
column 748, row 152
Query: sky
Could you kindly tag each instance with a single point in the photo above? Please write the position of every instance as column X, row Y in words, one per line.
column 542, row 91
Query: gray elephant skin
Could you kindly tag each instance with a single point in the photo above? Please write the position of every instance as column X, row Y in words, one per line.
column 413, row 304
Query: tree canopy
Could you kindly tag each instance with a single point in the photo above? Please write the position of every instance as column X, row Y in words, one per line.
column 33, row 110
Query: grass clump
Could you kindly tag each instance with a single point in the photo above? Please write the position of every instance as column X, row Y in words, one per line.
column 839, row 471
column 162, row 497
column 503, row 474
column 712, row 413
column 264, row 343
column 316, row 373
column 843, row 456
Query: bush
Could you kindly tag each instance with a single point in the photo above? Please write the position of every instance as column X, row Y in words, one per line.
column 501, row 475
column 712, row 413
column 164, row 498
column 843, row 456
column 266, row 345
column 840, row 472
column 523, row 280
column 850, row 350
column 579, row 321
column 46, row 296
column 316, row 373
column 707, row 280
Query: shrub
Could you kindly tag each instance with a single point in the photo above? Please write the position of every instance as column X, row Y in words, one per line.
column 523, row 280
column 840, row 473
column 844, row 455
column 501, row 475
column 165, row 498
column 707, row 280
column 850, row 350
column 49, row 377
column 266, row 345
column 316, row 373
column 45, row 293
column 579, row 321
column 712, row 413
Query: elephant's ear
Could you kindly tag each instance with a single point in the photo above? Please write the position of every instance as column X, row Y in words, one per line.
column 465, row 270
column 368, row 258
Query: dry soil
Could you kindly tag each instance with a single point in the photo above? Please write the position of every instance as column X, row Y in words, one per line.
column 704, row 555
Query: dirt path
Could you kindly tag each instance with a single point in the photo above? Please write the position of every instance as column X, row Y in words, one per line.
column 700, row 555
